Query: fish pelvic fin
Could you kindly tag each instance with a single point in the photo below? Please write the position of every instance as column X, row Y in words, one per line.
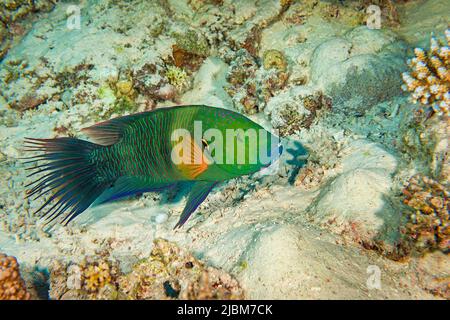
column 198, row 194
column 69, row 178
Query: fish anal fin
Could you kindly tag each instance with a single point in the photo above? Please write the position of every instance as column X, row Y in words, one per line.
column 198, row 194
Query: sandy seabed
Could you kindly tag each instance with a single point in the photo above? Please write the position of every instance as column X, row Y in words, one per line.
column 326, row 227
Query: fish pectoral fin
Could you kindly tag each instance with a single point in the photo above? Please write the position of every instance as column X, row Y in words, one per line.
column 199, row 192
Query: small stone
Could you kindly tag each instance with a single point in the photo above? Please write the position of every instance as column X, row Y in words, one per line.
column 160, row 218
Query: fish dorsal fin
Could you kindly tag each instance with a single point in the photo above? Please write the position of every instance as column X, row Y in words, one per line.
column 111, row 131
column 191, row 161
column 199, row 192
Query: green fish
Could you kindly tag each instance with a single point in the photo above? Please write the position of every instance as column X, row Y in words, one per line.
column 149, row 151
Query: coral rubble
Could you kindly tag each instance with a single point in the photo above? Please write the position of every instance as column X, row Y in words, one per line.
column 12, row 12
column 296, row 109
column 428, row 225
column 169, row 272
column 12, row 286
column 93, row 278
column 251, row 86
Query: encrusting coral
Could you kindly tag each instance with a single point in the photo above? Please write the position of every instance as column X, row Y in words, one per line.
column 428, row 226
column 429, row 80
column 190, row 49
column 12, row 286
column 168, row 273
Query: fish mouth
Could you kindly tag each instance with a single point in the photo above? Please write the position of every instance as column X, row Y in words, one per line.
column 275, row 154
column 274, row 165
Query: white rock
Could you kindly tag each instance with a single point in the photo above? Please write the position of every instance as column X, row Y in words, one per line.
column 208, row 85
column 359, row 69
column 356, row 200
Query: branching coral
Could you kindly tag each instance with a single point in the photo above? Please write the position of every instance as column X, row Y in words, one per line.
column 428, row 226
column 429, row 80
column 12, row 286
column 177, row 77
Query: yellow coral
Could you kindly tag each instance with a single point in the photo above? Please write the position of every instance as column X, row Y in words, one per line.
column 96, row 276
column 124, row 88
column 274, row 59
column 429, row 79
column 12, row 286
column 177, row 77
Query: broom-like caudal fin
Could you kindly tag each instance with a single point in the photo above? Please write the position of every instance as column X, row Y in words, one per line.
column 69, row 177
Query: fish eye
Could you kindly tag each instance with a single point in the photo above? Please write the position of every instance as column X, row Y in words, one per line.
column 205, row 144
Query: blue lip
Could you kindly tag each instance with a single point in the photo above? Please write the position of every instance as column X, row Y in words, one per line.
column 274, row 154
